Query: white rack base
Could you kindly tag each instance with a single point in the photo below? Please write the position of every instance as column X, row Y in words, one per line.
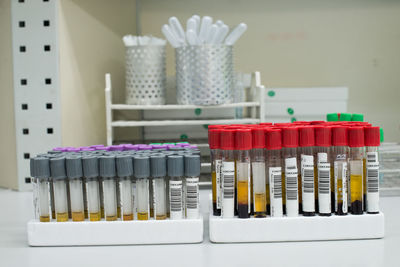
column 300, row 228
column 115, row 233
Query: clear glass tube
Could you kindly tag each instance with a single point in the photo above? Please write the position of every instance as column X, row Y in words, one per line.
column 44, row 200
column 61, row 199
column 151, row 197
column 69, row 201
column 274, row 172
column 308, row 181
column 216, row 157
column 110, row 198
column 260, row 201
column 290, row 181
column 192, row 197
column 340, row 179
column 35, row 196
column 52, row 205
column 76, row 192
column 228, row 184
column 101, row 197
column 142, row 193
column 176, row 198
column 93, row 197
column 371, row 179
column 159, row 198
column 323, row 158
column 243, row 176
column 85, row 200
column 118, row 198
column 167, row 196
column 356, row 179
column 126, row 197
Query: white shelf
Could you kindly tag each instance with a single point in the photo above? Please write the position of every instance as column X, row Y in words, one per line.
column 115, row 233
column 179, row 122
column 171, row 107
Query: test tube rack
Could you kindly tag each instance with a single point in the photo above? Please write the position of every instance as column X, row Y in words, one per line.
column 301, row 228
column 115, row 233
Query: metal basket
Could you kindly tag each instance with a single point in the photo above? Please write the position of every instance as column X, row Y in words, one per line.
column 204, row 74
column 145, row 75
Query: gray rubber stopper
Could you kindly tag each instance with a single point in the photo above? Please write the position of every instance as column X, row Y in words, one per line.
column 142, row 166
column 90, row 164
column 192, row 165
column 175, row 165
column 41, row 167
column 124, row 165
column 107, row 166
column 57, row 168
column 74, row 166
column 158, row 164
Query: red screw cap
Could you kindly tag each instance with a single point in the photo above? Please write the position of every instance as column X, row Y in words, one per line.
column 227, row 139
column 290, row 137
column 214, row 138
column 243, row 139
column 372, row 136
column 356, row 136
column 258, row 137
column 339, row 136
column 306, row 136
column 323, row 136
column 273, row 139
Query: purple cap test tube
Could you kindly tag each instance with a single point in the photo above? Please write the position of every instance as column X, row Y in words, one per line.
column 73, row 149
column 131, row 147
column 159, row 146
column 59, row 149
column 116, row 148
column 145, row 147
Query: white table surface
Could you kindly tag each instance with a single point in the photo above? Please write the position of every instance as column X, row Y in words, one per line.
column 16, row 210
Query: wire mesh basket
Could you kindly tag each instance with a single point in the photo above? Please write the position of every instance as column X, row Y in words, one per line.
column 204, row 74
column 145, row 75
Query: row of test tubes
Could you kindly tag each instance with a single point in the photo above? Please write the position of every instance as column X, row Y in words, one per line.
column 292, row 169
column 115, row 185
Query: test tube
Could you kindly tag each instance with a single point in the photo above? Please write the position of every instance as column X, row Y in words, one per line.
column 59, row 176
column 124, row 173
column 356, row 144
column 323, row 158
column 158, row 167
column 340, row 174
column 42, row 172
column 74, row 173
column 227, row 138
column 216, row 156
column 175, row 173
column 142, row 174
column 243, row 141
column 35, row 189
column 261, row 198
column 309, row 192
column 192, row 174
column 107, row 174
column 90, row 166
column 372, row 143
column 273, row 145
column 290, row 142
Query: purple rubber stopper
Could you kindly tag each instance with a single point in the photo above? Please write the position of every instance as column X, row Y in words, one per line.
column 88, row 149
column 95, row 146
column 159, row 146
column 73, row 149
column 193, row 147
column 130, row 147
column 116, row 148
column 145, row 147
column 59, row 149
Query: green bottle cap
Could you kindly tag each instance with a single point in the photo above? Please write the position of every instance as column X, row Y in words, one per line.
column 381, row 135
column 332, row 117
column 345, row 117
column 357, row 117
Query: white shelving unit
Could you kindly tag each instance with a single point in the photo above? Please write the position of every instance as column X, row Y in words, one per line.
column 256, row 109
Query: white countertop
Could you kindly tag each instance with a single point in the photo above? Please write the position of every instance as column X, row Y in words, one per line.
column 16, row 210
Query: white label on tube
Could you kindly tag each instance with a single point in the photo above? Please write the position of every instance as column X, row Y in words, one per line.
column 372, row 157
column 175, row 199
column 228, row 189
column 345, row 180
column 155, row 197
column 372, row 186
column 324, row 187
column 218, row 165
column 292, row 200
column 192, row 198
column 322, row 157
column 275, row 189
column 340, row 173
column 307, row 181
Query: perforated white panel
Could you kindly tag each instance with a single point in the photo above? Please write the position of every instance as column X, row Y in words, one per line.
column 36, row 81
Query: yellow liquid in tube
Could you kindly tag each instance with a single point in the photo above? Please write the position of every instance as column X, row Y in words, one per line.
column 62, row 217
column 143, row 216
column 95, row 216
column 78, row 216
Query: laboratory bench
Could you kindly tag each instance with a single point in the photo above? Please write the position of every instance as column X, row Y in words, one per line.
column 16, row 210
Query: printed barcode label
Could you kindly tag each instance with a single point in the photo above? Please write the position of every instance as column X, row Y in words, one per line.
column 228, row 189
column 324, row 179
column 373, row 177
column 192, row 193
column 175, row 192
column 275, row 189
column 307, row 179
column 218, row 164
column 372, row 157
column 322, row 157
column 291, row 186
